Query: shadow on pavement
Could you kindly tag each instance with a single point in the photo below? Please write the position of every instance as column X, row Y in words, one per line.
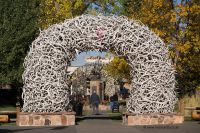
column 12, row 131
column 98, row 117
column 59, row 128
column 16, row 129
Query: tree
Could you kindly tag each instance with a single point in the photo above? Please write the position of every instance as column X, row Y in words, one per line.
column 55, row 11
column 177, row 23
column 105, row 7
column 18, row 28
column 188, row 46
column 159, row 15
column 20, row 21
column 118, row 69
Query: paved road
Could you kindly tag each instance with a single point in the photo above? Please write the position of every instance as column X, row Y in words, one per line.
column 105, row 126
column 102, row 125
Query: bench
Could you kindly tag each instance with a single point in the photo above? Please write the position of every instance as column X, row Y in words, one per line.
column 4, row 118
column 5, row 115
column 195, row 112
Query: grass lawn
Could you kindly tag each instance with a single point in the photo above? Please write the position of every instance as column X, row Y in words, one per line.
column 85, row 113
column 188, row 119
column 8, row 124
column 7, row 108
column 115, row 117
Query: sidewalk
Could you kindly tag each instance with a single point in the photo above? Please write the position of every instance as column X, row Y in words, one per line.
column 103, row 124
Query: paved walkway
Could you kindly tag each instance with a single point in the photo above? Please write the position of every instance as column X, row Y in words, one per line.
column 102, row 124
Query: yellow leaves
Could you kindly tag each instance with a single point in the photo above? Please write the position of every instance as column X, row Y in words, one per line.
column 178, row 26
column 173, row 17
column 55, row 11
column 184, row 48
column 78, row 4
column 183, row 14
column 183, row 10
column 158, row 32
column 66, row 6
column 159, row 16
column 163, row 19
column 187, row 46
column 182, row 7
column 153, row 20
column 195, row 9
column 158, row 3
column 118, row 68
column 64, row 11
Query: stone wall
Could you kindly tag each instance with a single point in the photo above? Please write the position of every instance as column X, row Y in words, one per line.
column 152, row 119
column 46, row 119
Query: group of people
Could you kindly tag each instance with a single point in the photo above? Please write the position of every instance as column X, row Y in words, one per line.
column 95, row 101
column 77, row 102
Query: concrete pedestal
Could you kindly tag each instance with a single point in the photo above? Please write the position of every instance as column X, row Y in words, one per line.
column 152, row 119
column 46, row 119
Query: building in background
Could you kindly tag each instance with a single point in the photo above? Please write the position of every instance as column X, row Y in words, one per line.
column 98, row 59
column 71, row 69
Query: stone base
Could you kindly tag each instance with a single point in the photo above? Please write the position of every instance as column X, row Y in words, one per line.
column 151, row 119
column 46, row 119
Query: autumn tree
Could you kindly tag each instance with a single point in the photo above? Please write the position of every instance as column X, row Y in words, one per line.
column 118, row 68
column 55, row 11
column 188, row 46
column 177, row 23
column 19, row 25
column 159, row 15
column 105, row 7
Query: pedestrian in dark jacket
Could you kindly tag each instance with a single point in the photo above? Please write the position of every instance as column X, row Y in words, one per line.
column 114, row 102
column 94, row 101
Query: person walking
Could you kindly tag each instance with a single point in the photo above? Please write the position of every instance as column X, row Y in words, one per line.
column 114, row 102
column 94, row 101
column 111, row 102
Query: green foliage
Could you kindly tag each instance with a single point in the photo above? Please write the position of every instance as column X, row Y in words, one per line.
column 118, row 69
column 18, row 28
column 7, row 108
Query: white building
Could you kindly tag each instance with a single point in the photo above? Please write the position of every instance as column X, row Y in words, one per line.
column 71, row 69
column 98, row 59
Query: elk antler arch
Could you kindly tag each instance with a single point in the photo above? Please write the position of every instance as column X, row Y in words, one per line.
column 153, row 82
